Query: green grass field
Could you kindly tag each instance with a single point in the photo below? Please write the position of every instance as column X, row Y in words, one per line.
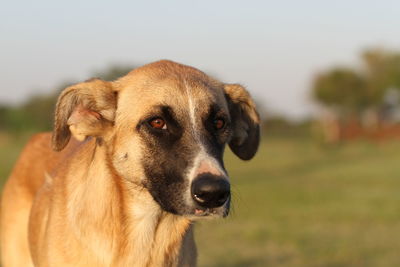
column 299, row 204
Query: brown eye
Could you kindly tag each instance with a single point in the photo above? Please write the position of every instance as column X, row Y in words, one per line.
column 158, row 123
column 219, row 124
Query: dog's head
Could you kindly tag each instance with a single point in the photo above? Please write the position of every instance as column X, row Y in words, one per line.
column 165, row 127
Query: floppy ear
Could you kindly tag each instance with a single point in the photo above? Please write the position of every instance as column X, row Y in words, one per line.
column 84, row 109
column 245, row 121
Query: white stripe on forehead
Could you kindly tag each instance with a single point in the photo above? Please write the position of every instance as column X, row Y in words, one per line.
column 192, row 109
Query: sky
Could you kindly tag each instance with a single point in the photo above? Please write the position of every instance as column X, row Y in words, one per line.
column 274, row 48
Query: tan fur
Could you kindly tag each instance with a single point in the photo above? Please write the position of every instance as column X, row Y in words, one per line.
column 85, row 205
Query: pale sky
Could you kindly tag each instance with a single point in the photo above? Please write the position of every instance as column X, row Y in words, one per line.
column 272, row 47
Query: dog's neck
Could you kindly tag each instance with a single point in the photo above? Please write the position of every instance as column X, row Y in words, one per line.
column 139, row 229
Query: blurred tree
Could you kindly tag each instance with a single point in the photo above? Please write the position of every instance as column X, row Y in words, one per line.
column 349, row 90
column 342, row 90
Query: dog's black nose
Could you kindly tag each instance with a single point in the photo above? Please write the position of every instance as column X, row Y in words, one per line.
column 210, row 191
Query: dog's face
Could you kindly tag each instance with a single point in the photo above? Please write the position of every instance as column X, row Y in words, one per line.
column 165, row 126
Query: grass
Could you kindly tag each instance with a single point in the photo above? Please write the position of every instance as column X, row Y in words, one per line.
column 299, row 204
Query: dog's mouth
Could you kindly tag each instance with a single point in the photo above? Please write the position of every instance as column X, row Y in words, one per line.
column 201, row 212
column 208, row 212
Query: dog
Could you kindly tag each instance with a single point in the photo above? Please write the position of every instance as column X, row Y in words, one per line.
column 130, row 166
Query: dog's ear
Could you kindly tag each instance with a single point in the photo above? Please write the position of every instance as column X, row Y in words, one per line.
column 84, row 109
column 245, row 121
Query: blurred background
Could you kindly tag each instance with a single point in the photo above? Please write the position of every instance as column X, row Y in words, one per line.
column 324, row 187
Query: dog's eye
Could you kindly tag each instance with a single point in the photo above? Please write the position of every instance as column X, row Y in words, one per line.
column 158, row 123
column 219, row 123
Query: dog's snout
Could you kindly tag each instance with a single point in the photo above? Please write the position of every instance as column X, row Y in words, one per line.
column 210, row 191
